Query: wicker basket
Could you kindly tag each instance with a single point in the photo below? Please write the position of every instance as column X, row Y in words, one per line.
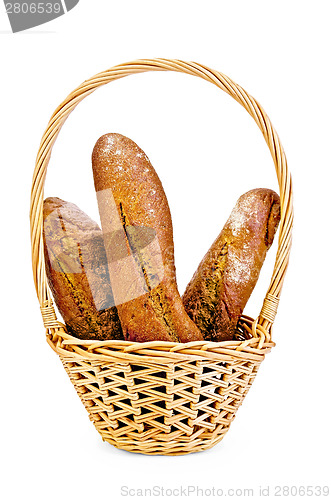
column 162, row 397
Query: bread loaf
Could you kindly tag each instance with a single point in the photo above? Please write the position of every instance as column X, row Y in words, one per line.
column 77, row 272
column 221, row 286
column 137, row 227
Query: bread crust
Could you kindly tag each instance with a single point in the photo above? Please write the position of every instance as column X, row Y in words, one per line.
column 221, row 286
column 77, row 272
column 133, row 208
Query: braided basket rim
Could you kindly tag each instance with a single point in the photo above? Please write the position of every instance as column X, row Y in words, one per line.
column 159, row 352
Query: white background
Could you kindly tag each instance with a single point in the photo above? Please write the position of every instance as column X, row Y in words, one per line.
column 207, row 151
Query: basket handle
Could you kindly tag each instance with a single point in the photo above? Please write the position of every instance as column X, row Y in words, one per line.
column 269, row 308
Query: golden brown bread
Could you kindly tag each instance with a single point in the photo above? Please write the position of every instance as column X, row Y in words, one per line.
column 77, row 272
column 137, row 227
column 221, row 286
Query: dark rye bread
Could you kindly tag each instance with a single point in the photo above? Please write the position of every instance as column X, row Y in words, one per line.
column 77, row 272
column 137, row 227
column 221, row 286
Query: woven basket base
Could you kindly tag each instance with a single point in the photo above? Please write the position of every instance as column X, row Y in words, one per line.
column 153, row 420
column 158, row 448
column 153, row 417
column 161, row 398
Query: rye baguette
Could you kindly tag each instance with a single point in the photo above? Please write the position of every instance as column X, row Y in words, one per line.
column 221, row 286
column 77, row 272
column 137, row 227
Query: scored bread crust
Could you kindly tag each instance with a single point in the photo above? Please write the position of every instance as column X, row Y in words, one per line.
column 77, row 272
column 132, row 203
column 222, row 284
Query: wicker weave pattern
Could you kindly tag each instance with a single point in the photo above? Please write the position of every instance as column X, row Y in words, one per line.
column 153, row 407
column 188, row 406
column 162, row 397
